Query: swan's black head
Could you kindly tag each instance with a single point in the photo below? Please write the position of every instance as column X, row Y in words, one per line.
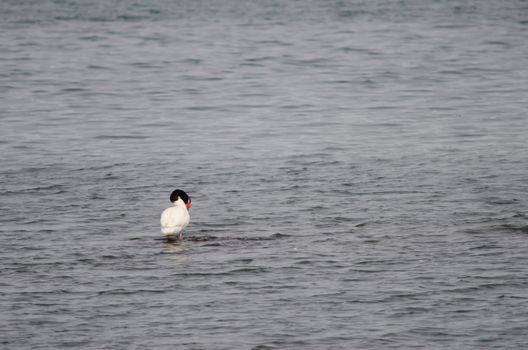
column 180, row 194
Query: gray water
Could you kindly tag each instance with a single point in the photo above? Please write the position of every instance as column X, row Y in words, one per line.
column 358, row 171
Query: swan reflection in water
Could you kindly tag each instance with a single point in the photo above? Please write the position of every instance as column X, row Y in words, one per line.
column 174, row 245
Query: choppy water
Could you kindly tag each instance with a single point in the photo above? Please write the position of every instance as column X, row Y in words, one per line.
column 358, row 173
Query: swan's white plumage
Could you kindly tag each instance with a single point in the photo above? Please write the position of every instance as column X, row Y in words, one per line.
column 174, row 219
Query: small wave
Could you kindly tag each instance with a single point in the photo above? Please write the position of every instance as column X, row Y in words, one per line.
column 100, row 167
column 263, row 347
column 91, row 38
column 235, row 238
column 501, row 201
column 512, row 228
column 58, row 188
column 120, row 137
column 212, row 239
column 515, row 228
column 485, row 247
column 121, row 291
column 237, row 271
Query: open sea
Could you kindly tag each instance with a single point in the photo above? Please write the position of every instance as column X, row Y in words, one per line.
column 358, row 172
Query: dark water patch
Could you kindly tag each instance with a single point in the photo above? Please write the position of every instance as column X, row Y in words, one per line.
column 217, row 240
column 501, row 44
column 501, row 201
column 213, row 244
column 116, row 256
column 297, row 106
column 451, row 72
column 97, row 67
column 506, row 285
column 209, row 238
column 407, row 311
column 145, row 65
column 131, row 18
column 204, row 78
column 273, row 43
column 363, row 50
column 121, row 291
column 263, row 347
column 486, row 247
column 305, row 262
column 260, row 59
column 87, row 261
column 202, row 108
column 92, row 38
column 120, row 137
column 232, row 272
column 496, row 228
column 56, row 291
column 191, row 61
column 513, row 228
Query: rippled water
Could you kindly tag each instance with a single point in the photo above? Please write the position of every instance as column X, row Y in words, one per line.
column 358, row 172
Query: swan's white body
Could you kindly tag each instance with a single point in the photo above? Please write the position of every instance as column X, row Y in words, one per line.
column 174, row 219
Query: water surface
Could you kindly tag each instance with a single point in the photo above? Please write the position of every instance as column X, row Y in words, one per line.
column 357, row 171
